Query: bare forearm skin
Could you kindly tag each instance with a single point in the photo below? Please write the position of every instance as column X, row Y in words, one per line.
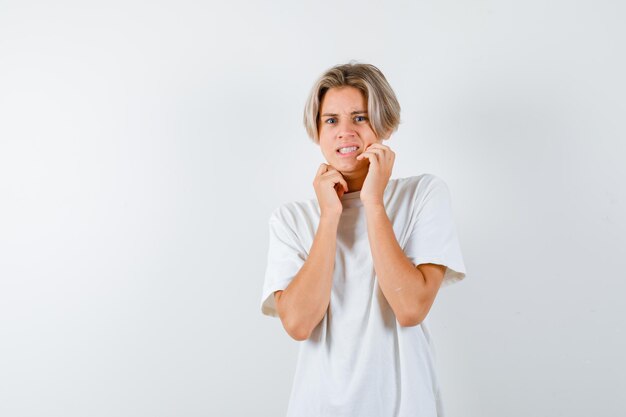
column 402, row 284
column 303, row 304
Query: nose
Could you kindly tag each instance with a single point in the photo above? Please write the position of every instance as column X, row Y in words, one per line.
column 346, row 129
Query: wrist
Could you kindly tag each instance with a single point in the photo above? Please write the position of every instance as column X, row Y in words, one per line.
column 330, row 219
column 374, row 205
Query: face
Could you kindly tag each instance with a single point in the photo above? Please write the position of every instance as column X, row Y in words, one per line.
column 344, row 122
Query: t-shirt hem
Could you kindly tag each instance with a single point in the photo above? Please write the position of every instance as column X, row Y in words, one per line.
column 454, row 272
column 268, row 305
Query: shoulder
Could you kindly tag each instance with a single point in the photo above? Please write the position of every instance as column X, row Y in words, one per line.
column 418, row 186
column 293, row 212
column 296, row 221
column 426, row 180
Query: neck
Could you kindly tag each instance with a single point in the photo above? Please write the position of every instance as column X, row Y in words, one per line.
column 355, row 185
column 355, row 180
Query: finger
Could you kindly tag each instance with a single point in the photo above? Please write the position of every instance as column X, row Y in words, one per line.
column 379, row 145
column 384, row 155
column 322, row 169
column 341, row 187
column 345, row 185
column 379, row 152
column 338, row 179
column 367, row 154
column 374, row 163
column 388, row 153
column 385, row 148
column 373, row 158
column 332, row 173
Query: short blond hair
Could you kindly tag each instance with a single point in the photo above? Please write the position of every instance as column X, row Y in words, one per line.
column 382, row 105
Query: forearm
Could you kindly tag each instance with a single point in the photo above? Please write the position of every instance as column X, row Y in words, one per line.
column 305, row 300
column 400, row 281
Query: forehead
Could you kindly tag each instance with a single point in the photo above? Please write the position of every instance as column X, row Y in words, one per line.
column 346, row 99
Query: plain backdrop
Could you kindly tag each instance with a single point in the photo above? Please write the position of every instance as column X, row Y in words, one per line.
column 143, row 145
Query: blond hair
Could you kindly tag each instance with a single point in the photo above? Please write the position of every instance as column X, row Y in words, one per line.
column 382, row 105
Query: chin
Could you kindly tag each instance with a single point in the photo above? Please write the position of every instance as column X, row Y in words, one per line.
column 348, row 167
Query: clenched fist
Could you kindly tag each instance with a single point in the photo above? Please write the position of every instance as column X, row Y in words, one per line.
column 329, row 186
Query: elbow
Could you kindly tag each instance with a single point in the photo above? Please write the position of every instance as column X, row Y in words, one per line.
column 294, row 328
column 411, row 318
column 300, row 336
column 297, row 332
column 409, row 322
column 415, row 312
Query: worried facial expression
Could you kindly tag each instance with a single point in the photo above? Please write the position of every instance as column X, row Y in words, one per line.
column 344, row 124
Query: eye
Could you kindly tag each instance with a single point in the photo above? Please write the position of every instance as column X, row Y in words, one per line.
column 363, row 118
column 330, row 118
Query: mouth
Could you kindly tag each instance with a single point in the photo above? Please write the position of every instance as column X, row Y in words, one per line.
column 347, row 151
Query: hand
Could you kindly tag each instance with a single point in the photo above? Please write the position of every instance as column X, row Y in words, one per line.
column 381, row 160
column 329, row 186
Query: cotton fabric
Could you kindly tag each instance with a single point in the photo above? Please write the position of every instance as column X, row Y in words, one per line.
column 359, row 361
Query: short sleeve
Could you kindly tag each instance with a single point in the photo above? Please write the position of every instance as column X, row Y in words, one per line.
column 285, row 257
column 433, row 238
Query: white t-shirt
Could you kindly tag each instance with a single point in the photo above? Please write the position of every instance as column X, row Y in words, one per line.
column 359, row 361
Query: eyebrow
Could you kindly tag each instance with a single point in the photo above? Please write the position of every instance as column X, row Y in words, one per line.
column 335, row 114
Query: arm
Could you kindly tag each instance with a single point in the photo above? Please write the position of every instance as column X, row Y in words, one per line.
column 410, row 291
column 303, row 304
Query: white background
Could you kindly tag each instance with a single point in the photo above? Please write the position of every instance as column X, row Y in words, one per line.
column 144, row 144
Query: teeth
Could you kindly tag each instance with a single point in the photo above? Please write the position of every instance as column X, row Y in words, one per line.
column 347, row 150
